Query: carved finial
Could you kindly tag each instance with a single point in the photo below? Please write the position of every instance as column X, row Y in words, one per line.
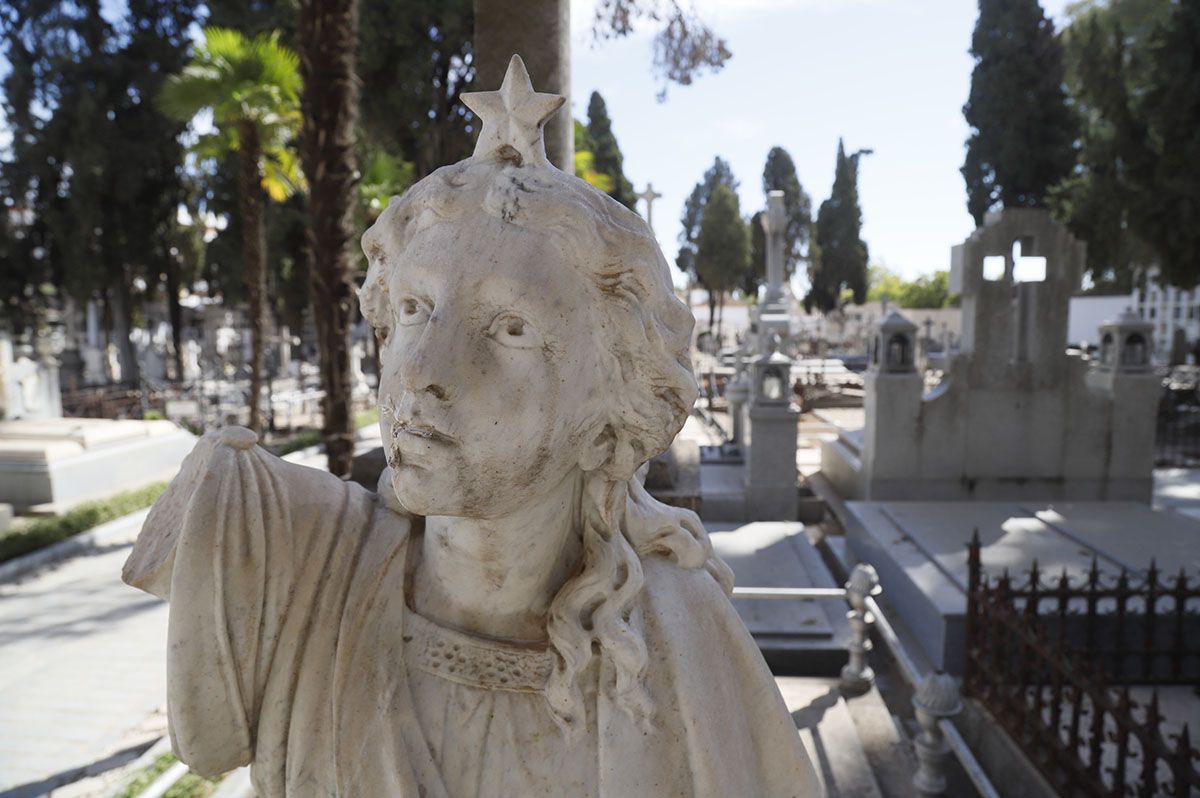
column 513, row 118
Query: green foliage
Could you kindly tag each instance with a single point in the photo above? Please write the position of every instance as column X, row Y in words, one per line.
column 414, row 63
column 43, row 532
column 883, row 283
column 383, row 176
column 693, row 212
column 295, row 442
column 606, row 154
column 1022, row 129
column 189, row 786
column 779, row 174
column 303, row 439
column 723, row 246
column 684, row 48
column 1098, row 200
column 366, row 418
column 1134, row 196
column 253, row 17
column 842, row 254
column 1170, row 191
column 927, row 291
column 77, row 102
column 243, row 81
column 756, row 270
column 585, row 169
column 585, row 161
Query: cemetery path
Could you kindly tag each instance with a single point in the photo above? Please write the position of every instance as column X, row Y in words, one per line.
column 82, row 672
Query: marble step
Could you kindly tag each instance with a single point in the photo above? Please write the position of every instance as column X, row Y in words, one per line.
column 833, row 738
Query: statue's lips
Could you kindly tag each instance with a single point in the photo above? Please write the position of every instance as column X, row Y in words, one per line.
column 424, row 432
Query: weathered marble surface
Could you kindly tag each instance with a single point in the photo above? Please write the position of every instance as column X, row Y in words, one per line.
column 510, row 613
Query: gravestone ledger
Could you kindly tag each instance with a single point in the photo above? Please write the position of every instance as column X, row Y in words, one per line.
column 511, row 614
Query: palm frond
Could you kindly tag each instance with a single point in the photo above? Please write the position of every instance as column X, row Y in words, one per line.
column 239, row 79
column 216, row 145
column 225, row 44
column 282, row 176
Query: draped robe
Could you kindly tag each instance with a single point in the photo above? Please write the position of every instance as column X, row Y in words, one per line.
column 291, row 648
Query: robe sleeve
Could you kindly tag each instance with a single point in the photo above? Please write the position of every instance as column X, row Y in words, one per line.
column 720, row 698
column 239, row 543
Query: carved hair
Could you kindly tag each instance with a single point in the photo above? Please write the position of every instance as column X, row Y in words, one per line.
column 643, row 341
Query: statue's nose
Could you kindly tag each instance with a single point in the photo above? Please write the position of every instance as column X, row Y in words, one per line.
column 428, row 366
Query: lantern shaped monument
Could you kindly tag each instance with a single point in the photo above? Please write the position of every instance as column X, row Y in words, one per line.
column 771, row 492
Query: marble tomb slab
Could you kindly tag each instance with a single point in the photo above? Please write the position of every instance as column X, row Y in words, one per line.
column 51, row 464
column 920, row 551
column 797, row 637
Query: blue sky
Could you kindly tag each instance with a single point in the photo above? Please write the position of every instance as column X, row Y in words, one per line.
column 890, row 75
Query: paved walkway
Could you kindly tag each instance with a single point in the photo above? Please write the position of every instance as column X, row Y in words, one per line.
column 82, row 671
column 83, row 663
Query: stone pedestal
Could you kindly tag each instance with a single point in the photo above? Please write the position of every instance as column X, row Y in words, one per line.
column 771, row 463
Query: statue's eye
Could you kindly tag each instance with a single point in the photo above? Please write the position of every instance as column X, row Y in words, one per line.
column 411, row 310
column 509, row 329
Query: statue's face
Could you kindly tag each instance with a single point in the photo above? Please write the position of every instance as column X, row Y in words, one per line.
column 485, row 391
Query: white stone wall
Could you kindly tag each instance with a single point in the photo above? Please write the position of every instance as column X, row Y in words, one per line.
column 1168, row 309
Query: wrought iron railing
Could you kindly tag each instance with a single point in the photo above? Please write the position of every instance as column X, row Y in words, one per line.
column 1054, row 663
column 936, row 701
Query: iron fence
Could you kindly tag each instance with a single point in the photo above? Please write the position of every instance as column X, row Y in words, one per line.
column 1177, row 426
column 1059, row 681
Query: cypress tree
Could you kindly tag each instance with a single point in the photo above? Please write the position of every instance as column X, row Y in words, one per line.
column 1022, row 129
column 723, row 246
column 693, row 211
column 843, row 253
column 606, row 154
column 756, row 269
column 779, row 174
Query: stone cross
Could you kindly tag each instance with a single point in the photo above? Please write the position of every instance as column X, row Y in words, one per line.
column 649, row 195
column 774, row 221
column 285, row 350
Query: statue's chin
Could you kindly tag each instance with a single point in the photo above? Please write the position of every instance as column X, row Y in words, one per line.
column 408, row 494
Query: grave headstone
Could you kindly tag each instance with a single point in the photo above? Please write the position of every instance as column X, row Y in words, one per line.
column 1016, row 416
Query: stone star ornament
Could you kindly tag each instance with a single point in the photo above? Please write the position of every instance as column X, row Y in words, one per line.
column 513, row 118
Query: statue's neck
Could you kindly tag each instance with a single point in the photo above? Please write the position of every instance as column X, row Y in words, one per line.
column 497, row 577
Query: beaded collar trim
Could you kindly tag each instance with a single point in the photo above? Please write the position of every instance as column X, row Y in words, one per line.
column 474, row 661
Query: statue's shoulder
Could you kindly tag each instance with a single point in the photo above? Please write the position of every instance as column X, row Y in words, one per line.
column 682, row 596
column 229, row 482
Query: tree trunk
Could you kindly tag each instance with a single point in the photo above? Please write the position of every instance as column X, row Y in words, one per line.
column 254, row 244
column 712, row 309
column 720, row 316
column 540, row 32
column 131, row 369
column 175, row 312
column 327, row 37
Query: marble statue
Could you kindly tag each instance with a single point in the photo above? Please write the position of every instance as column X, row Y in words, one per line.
column 511, row 614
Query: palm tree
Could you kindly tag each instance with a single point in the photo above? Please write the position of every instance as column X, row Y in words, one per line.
column 252, row 88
